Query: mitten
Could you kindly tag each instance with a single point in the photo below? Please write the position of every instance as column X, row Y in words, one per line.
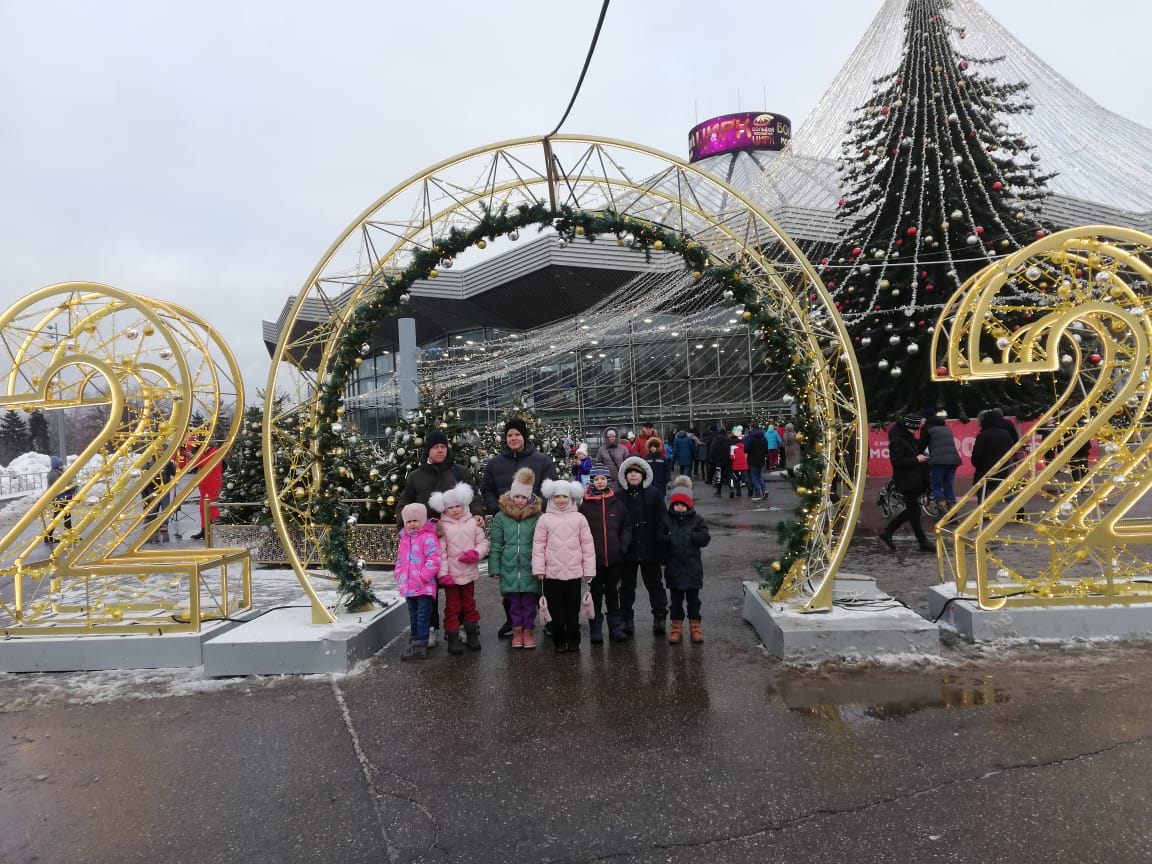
column 469, row 557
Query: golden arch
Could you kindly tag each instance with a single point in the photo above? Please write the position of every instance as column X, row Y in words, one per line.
column 583, row 174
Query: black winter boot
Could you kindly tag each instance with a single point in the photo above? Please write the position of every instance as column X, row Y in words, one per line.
column 454, row 644
column 616, row 629
column 596, row 631
column 658, row 626
column 505, row 631
column 473, row 632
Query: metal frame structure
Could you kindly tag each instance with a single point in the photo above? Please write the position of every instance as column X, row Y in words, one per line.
column 153, row 365
column 590, row 175
column 1072, row 305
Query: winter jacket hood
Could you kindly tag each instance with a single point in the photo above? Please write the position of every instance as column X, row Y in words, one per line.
column 629, row 462
column 519, row 512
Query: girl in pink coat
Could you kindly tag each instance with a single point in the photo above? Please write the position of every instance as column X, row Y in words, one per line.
column 417, row 564
column 464, row 544
column 564, row 557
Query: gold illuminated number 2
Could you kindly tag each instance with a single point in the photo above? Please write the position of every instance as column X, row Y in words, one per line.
column 1071, row 306
column 149, row 368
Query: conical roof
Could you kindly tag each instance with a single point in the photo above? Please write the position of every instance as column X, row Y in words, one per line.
column 1103, row 161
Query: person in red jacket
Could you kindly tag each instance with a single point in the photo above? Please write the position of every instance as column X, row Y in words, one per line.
column 739, row 463
column 611, row 527
column 210, row 483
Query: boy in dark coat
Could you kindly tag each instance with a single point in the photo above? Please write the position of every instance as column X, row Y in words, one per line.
column 992, row 442
column 611, row 528
column 646, row 550
column 684, row 569
column 908, row 477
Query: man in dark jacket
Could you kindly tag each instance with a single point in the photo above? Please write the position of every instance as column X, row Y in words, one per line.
column 756, row 452
column 992, row 441
column 908, row 477
column 649, row 541
column 518, row 452
column 611, row 535
column 683, row 453
column 720, row 455
column 439, row 473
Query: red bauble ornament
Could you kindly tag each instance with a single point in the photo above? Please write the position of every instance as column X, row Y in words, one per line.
column 997, row 185
column 840, row 203
column 978, row 230
column 941, row 371
column 963, row 64
column 857, row 250
column 929, row 288
column 1094, row 359
column 1041, row 233
column 912, row 230
column 830, row 284
column 885, row 110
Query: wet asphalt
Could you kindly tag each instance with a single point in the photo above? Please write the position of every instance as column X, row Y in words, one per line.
column 642, row 752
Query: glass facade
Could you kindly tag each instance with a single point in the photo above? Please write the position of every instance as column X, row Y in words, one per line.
column 663, row 370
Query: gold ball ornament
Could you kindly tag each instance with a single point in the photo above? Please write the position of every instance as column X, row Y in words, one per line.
column 697, row 275
column 747, row 316
column 801, row 437
column 481, row 243
column 658, row 245
column 391, row 500
column 776, row 566
column 1080, row 554
column 433, row 273
column 580, row 230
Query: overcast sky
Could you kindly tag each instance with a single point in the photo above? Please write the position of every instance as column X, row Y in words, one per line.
column 209, row 152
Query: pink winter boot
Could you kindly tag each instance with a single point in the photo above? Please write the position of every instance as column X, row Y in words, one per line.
column 517, row 637
column 529, row 637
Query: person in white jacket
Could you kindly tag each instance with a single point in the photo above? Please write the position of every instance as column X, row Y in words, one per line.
column 564, row 557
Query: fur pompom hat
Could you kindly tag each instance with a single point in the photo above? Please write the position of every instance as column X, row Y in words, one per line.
column 681, row 491
column 461, row 494
column 522, row 483
column 564, row 488
column 414, row 511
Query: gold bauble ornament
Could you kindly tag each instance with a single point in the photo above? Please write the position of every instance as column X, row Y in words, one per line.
column 580, row 230
column 658, row 245
column 801, row 490
column 776, row 566
column 747, row 316
column 433, row 273
column 391, row 500
column 697, row 275
column 481, row 243
column 801, row 437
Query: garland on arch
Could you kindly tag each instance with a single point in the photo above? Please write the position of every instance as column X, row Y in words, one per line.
column 784, row 358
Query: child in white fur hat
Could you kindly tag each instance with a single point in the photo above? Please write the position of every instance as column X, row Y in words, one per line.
column 564, row 557
column 464, row 544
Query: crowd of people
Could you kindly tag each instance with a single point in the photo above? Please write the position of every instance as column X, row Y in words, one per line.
column 561, row 549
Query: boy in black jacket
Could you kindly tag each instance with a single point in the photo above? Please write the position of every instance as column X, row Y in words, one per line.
column 684, row 569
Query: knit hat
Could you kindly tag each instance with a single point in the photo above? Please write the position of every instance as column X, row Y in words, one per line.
column 910, row 421
column 459, row 495
column 600, row 471
column 522, row 483
column 582, row 449
column 564, row 488
column 737, row 431
column 57, row 462
column 433, row 438
column 517, row 424
column 682, row 491
column 414, row 511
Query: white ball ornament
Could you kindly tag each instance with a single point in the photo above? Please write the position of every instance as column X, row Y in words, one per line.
column 865, row 341
column 165, row 353
column 893, row 340
column 956, row 215
column 913, row 348
column 1003, row 342
column 895, row 373
column 337, row 428
column 883, row 364
column 972, row 240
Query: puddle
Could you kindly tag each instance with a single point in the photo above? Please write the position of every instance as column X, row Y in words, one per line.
column 847, row 701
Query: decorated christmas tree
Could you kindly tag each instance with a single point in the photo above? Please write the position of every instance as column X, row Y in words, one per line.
column 244, row 495
column 403, row 448
column 937, row 185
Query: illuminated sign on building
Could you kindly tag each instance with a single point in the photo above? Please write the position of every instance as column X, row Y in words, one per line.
column 749, row 130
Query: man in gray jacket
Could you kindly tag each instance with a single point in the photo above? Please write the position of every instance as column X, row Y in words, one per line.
column 612, row 455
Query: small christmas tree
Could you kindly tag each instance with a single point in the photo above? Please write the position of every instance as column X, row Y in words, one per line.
column 244, row 495
column 937, row 186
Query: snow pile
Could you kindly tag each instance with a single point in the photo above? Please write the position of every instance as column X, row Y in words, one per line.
column 28, row 463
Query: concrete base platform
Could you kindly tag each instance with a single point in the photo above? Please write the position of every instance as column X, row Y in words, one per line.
column 286, row 642
column 960, row 613
column 872, row 631
column 96, row 653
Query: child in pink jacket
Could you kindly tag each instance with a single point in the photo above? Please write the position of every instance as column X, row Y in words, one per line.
column 464, row 544
column 564, row 557
column 417, row 565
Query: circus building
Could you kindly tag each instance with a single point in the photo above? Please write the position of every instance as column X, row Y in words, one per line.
column 599, row 333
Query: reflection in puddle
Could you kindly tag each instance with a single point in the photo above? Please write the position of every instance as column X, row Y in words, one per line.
column 842, row 702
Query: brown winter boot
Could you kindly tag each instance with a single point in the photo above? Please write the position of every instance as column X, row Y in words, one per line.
column 675, row 632
column 697, row 633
